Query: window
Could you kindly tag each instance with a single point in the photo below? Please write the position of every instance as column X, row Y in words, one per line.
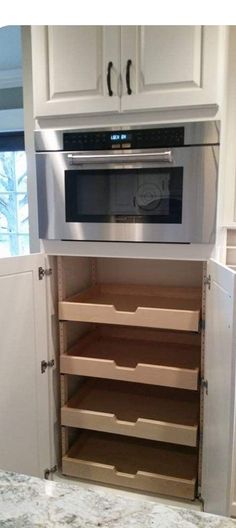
column 14, row 217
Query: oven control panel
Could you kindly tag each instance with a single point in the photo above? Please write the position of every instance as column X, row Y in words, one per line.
column 124, row 139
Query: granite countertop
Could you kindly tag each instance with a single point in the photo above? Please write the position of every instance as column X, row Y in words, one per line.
column 29, row 502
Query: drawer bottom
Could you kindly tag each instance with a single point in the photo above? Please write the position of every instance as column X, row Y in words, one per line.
column 134, row 463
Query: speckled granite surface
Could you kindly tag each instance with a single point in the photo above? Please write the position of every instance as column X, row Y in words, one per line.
column 28, row 502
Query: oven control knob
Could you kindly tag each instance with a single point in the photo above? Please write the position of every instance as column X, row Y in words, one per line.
column 148, row 196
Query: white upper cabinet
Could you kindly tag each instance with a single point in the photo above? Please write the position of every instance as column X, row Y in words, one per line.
column 171, row 66
column 70, row 69
column 95, row 69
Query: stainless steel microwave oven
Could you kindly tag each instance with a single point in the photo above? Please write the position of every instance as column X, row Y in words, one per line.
column 153, row 184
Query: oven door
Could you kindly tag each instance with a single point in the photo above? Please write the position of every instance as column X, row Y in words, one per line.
column 151, row 196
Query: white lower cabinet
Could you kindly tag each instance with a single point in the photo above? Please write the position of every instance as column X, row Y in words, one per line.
column 133, row 353
column 25, row 443
column 219, row 403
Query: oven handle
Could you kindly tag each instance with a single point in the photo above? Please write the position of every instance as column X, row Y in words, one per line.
column 164, row 156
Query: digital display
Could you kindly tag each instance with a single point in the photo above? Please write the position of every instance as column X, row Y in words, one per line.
column 120, row 136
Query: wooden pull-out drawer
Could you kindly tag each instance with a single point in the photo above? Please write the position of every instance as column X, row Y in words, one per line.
column 135, row 305
column 156, row 413
column 137, row 355
column 133, row 463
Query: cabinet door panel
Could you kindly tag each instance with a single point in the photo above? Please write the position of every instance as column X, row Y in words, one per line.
column 24, row 392
column 161, row 64
column 75, row 60
column 172, row 66
column 219, row 402
column 70, row 69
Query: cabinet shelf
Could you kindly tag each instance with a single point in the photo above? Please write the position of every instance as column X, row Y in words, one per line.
column 155, row 413
column 137, row 355
column 133, row 463
column 135, row 305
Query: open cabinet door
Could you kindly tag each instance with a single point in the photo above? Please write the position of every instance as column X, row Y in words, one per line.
column 219, row 398
column 24, row 390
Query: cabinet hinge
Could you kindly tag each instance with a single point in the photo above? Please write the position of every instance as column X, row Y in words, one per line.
column 202, row 324
column 44, row 272
column 46, row 364
column 48, row 472
column 204, row 384
column 199, row 497
column 207, row 281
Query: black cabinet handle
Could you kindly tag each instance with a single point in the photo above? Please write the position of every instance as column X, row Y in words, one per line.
column 109, row 67
column 128, row 65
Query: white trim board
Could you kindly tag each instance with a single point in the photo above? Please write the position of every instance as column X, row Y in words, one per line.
column 201, row 252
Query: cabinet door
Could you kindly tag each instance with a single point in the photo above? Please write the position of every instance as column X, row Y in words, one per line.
column 219, row 402
column 70, row 65
column 24, row 391
column 172, row 66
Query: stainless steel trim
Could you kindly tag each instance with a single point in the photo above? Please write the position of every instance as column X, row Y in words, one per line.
column 195, row 133
column 164, row 156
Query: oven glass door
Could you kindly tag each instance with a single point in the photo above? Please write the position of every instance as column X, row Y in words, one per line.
column 124, row 195
column 119, row 199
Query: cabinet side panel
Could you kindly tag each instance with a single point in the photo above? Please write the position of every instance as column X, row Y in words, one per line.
column 162, row 273
column 74, row 275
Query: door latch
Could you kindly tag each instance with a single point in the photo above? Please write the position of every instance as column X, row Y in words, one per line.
column 46, row 364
